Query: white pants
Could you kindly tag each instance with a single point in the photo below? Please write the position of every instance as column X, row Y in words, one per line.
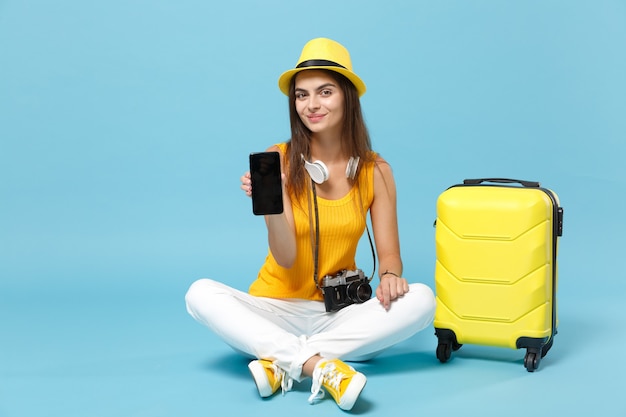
column 290, row 331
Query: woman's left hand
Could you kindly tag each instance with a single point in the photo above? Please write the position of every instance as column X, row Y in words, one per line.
column 390, row 288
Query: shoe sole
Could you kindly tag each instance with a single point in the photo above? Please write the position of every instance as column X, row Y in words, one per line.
column 347, row 400
column 258, row 374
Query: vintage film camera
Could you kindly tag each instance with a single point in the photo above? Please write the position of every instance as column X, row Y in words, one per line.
column 345, row 288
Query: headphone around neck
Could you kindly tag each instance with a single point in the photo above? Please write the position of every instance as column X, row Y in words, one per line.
column 318, row 171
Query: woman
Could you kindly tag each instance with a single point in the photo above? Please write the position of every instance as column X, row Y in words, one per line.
column 283, row 321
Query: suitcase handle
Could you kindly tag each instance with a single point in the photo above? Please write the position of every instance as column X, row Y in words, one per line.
column 477, row 181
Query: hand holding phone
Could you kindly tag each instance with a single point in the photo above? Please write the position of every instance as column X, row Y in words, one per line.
column 267, row 189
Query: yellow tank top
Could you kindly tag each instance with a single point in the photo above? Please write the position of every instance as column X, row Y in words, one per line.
column 341, row 224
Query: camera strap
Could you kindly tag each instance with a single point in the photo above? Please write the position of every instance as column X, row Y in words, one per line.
column 315, row 233
column 369, row 236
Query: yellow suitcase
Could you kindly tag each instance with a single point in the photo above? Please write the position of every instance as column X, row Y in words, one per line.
column 496, row 272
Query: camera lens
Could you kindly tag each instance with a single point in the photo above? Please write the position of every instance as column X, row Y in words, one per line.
column 359, row 292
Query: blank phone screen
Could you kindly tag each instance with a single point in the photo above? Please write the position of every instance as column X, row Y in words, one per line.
column 267, row 192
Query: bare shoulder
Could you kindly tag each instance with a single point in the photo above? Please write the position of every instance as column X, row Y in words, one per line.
column 382, row 168
column 384, row 182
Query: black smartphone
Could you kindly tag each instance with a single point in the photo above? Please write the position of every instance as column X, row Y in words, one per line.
column 267, row 190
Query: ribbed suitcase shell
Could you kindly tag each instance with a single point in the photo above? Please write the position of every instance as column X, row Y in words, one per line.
column 495, row 275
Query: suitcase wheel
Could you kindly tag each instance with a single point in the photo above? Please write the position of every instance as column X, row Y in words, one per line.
column 532, row 360
column 447, row 344
column 444, row 351
column 534, row 354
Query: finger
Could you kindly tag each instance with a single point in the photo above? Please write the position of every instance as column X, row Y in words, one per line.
column 386, row 293
column 245, row 186
column 394, row 287
column 400, row 288
column 246, row 183
column 379, row 293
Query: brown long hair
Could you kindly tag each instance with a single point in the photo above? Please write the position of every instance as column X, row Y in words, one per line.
column 355, row 136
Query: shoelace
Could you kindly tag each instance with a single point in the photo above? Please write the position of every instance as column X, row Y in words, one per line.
column 329, row 374
column 286, row 382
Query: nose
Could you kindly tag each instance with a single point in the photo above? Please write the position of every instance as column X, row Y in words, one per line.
column 314, row 103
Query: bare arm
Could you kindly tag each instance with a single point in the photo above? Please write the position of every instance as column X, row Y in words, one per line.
column 385, row 224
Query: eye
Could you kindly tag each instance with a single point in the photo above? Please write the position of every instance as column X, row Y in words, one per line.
column 325, row 92
column 300, row 95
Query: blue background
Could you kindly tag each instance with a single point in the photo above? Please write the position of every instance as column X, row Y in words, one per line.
column 124, row 128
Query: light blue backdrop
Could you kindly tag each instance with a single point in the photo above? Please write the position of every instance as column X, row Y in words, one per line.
column 125, row 125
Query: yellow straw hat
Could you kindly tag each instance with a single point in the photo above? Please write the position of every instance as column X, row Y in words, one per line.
column 323, row 53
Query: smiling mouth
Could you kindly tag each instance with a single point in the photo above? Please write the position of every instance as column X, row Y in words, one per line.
column 315, row 117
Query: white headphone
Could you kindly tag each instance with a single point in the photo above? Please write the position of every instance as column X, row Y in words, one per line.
column 318, row 171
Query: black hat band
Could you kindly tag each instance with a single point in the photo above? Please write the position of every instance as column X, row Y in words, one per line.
column 319, row 63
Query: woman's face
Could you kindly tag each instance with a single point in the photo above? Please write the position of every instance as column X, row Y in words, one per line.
column 319, row 102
